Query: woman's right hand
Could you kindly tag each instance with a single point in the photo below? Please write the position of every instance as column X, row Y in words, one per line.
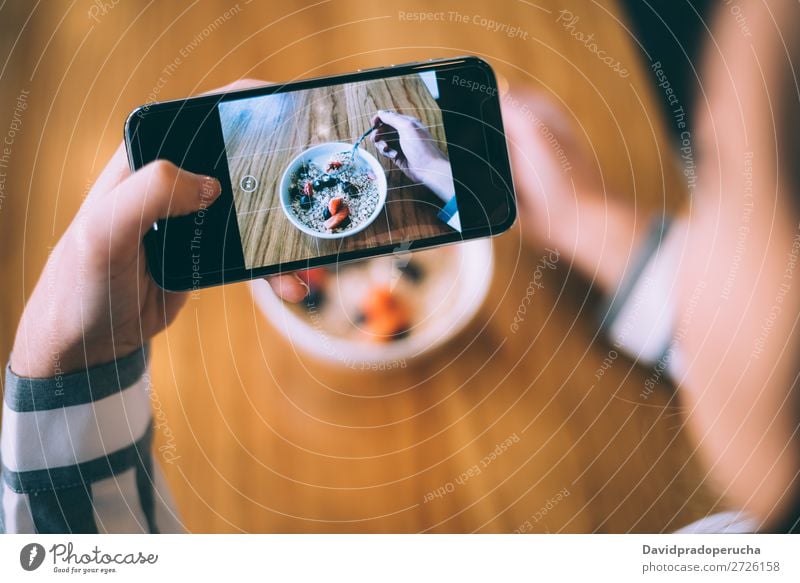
column 409, row 144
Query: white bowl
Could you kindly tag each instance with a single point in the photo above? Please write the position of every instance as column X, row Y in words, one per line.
column 464, row 297
column 320, row 155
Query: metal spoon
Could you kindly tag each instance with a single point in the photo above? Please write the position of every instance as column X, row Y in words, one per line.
column 345, row 165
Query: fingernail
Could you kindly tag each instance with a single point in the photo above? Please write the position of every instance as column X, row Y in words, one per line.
column 304, row 284
column 210, row 187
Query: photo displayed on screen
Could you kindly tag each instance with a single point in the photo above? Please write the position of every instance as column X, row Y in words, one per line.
column 341, row 168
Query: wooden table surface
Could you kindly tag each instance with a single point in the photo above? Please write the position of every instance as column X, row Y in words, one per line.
column 262, row 136
column 265, row 438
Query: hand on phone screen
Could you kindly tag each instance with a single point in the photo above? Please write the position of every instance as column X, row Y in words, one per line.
column 409, row 144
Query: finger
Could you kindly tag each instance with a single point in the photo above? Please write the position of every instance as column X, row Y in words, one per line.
column 156, row 191
column 238, row 85
column 528, row 159
column 386, row 149
column 523, row 126
column 396, row 120
column 549, row 132
column 384, row 131
column 531, row 109
column 289, row 287
column 115, row 171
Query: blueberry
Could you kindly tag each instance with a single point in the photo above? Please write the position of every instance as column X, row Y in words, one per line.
column 326, row 214
column 350, row 189
column 400, row 334
column 412, row 270
column 317, row 185
column 314, row 299
column 305, row 202
column 328, row 181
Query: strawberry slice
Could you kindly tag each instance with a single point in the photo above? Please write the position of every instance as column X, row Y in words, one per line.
column 338, row 218
column 314, row 277
column 336, row 204
column 387, row 316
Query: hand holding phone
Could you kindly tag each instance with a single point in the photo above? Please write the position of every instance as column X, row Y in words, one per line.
column 95, row 301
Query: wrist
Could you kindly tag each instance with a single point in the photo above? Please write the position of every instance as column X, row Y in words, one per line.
column 439, row 179
column 55, row 362
column 41, row 354
column 43, row 358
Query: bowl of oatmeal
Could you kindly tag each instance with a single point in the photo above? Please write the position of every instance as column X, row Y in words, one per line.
column 326, row 195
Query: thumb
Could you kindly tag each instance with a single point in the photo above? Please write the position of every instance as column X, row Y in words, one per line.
column 120, row 219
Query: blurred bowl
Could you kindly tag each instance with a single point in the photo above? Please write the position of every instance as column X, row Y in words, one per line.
column 320, row 155
column 460, row 284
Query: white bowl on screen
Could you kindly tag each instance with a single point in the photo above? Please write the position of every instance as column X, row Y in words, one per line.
column 320, row 155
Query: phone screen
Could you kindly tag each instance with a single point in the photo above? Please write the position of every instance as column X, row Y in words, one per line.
column 326, row 170
column 305, row 184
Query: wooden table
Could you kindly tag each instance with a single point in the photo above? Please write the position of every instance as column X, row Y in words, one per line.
column 269, row 440
column 262, row 136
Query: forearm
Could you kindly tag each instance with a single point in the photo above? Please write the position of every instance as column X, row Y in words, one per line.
column 740, row 348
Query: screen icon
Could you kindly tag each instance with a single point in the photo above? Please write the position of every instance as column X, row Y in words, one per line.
column 248, row 183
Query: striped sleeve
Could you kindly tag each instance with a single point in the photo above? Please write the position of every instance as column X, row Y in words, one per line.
column 76, row 453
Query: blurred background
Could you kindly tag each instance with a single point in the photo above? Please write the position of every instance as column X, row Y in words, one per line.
column 256, row 435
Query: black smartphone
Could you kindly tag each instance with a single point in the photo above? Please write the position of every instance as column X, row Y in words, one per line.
column 326, row 170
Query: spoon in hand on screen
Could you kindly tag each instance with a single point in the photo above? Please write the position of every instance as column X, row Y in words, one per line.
column 336, row 171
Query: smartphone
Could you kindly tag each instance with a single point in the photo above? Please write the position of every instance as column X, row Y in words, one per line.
column 326, row 170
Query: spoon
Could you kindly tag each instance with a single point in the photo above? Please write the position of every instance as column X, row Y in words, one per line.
column 345, row 165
